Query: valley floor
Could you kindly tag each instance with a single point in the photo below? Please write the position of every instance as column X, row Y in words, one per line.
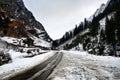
column 75, row 65
column 83, row 66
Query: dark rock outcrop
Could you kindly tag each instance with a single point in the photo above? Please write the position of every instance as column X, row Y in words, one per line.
column 16, row 9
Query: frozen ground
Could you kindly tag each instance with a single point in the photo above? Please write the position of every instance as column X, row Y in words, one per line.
column 20, row 63
column 83, row 66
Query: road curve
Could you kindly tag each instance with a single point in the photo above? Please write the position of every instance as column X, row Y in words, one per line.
column 41, row 71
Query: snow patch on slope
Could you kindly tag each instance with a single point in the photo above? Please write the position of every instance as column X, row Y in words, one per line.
column 10, row 40
column 79, row 47
column 42, row 43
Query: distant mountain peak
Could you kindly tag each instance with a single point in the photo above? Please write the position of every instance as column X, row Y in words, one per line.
column 100, row 10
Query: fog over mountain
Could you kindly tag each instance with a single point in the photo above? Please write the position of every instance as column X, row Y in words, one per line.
column 59, row 16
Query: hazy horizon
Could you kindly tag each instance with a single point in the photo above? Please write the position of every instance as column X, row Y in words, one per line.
column 59, row 16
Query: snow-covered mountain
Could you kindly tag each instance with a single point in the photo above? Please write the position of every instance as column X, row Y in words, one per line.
column 22, row 22
column 97, row 12
column 100, row 10
column 101, row 32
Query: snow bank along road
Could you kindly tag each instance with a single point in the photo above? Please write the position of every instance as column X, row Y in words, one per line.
column 83, row 66
column 39, row 72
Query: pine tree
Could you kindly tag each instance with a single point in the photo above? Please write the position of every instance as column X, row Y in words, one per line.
column 75, row 30
column 80, row 27
column 102, row 35
column 94, row 27
column 110, row 30
column 71, row 34
column 85, row 23
column 111, row 34
column 117, row 22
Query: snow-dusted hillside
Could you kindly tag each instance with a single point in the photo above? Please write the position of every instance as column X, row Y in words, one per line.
column 103, row 35
column 70, row 41
column 22, row 24
column 42, row 43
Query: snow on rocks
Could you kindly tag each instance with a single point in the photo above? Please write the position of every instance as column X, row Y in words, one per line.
column 40, row 42
column 83, row 66
column 14, row 41
column 20, row 64
column 79, row 47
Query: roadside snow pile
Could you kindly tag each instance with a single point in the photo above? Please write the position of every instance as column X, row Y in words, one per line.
column 83, row 66
column 79, row 47
column 16, row 55
column 20, row 64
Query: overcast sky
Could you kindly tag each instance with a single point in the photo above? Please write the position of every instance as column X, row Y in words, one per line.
column 59, row 16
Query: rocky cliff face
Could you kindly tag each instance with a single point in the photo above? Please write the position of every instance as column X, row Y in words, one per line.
column 16, row 10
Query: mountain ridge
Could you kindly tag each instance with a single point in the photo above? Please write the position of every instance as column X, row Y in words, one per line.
column 17, row 10
column 100, row 38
